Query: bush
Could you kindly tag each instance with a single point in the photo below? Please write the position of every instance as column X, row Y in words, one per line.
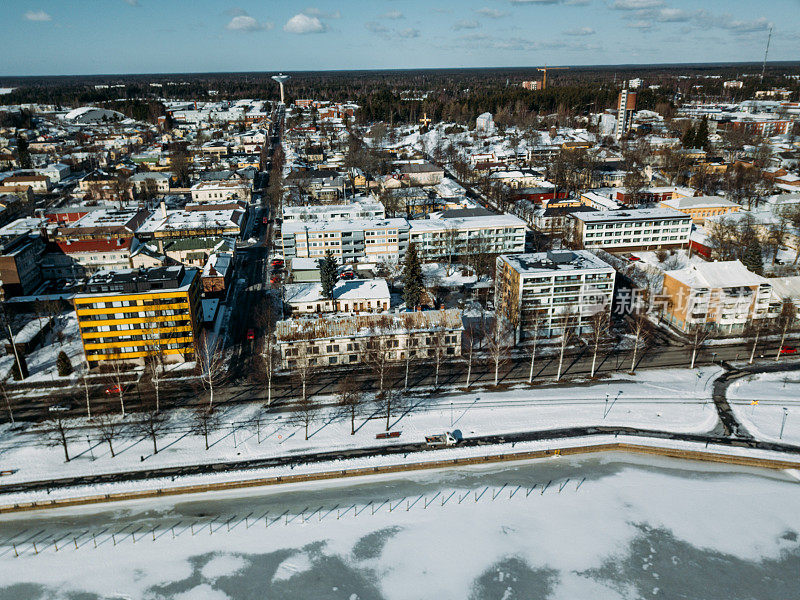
column 63, row 365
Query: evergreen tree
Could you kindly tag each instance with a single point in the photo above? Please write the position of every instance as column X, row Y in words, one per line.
column 328, row 274
column 63, row 365
column 412, row 278
column 689, row 138
column 751, row 256
column 23, row 153
column 701, row 135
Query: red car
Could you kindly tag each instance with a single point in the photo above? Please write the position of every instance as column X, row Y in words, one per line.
column 634, row 258
column 277, row 262
column 251, row 334
column 275, row 279
column 113, row 389
column 788, row 350
column 347, row 275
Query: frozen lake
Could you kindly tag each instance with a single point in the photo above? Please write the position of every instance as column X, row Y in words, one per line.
column 612, row 526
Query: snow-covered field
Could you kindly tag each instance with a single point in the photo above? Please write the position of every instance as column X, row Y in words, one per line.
column 669, row 400
column 607, row 528
column 778, row 397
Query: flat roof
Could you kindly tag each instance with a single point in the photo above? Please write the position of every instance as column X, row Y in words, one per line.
column 547, row 262
column 354, row 289
column 699, row 202
column 343, row 225
column 631, row 214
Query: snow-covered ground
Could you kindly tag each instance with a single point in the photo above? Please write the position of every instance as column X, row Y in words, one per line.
column 669, row 400
column 42, row 361
column 774, row 392
column 607, row 528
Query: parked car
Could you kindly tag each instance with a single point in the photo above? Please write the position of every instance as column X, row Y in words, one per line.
column 275, row 279
column 113, row 389
column 277, row 262
column 788, row 350
column 251, row 334
column 347, row 275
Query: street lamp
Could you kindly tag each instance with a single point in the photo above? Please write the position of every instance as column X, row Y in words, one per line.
column 783, row 422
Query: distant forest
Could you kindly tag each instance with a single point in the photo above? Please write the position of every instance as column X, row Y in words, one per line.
column 457, row 95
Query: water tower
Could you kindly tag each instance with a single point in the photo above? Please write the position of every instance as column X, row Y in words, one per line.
column 280, row 79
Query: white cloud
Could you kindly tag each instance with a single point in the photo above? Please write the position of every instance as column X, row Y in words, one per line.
column 581, row 31
column 672, row 15
column 409, row 33
column 640, row 24
column 466, row 24
column 247, row 23
column 37, row 15
column 492, row 13
column 636, row 4
column 376, row 27
column 316, row 12
column 392, row 14
column 302, row 24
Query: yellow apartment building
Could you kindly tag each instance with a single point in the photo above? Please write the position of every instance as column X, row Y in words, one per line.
column 132, row 314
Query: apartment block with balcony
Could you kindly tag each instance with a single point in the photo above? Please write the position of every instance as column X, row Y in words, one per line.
column 722, row 297
column 357, row 339
column 633, row 229
column 133, row 314
column 548, row 289
column 351, row 240
column 453, row 235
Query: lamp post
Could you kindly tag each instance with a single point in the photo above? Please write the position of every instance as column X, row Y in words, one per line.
column 783, row 422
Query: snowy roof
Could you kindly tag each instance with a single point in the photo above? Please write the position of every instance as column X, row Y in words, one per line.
column 547, row 262
column 786, row 287
column 478, row 222
column 634, row 214
column 336, row 326
column 344, row 225
column 699, row 202
column 355, row 289
column 720, row 274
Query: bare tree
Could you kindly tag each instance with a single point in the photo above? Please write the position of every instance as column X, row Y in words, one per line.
column 350, row 401
column 449, row 246
column 205, row 420
column 641, row 328
column 58, row 431
column 497, row 346
column 115, row 375
column 7, row 399
column 108, row 428
column 754, row 328
column 151, row 424
column 377, row 354
column 211, row 364
column 697, row 340
column 305, row 363
column 569, row 322
column 304, row 413
column 787, row 319
column 600, row 323
column 470, row 340
column 386, row 402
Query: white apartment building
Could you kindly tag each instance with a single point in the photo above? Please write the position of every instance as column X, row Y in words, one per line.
column 633, row 229
column 548, row 289
column 209, row 191
column 334, row 212
column 352, row 240
column 438, row 238
column 353, row 339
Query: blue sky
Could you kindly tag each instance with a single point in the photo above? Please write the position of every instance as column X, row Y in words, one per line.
column 42, row 37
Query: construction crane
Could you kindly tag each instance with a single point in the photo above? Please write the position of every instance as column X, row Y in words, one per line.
column 766, row 52
column 545, row 69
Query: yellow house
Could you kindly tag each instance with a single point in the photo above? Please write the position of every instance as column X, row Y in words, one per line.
column 132, row 314
column 702, row 207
